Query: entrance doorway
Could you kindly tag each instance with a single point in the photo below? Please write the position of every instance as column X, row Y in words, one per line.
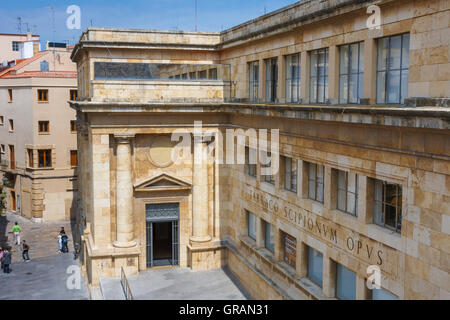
column 162, row 234
column 13, row 201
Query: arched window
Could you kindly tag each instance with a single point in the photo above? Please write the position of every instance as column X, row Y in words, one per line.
column 44, row 65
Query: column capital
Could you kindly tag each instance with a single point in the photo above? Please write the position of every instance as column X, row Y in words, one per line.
column 124, row 137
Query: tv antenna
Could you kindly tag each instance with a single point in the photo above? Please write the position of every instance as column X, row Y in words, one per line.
column 195, row 15
column 19, row 24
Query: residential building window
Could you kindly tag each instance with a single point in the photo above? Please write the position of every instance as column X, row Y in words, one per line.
column 11, row 125
column 184, row 76
column 10, row 95
column 73, row 95
column 351, row 73
column 73, row 126
column 177, row 76
column 12, row 157
column 15, row 46
column 318, row 78
column 250, row 161
column 315, row 181
column 202, row 75
column 345, row 283
column 347, row 192
column 315, row 262
column 253, row 77
column 289, row 173
column 266, row 166
column 381, row 294
column 44, row 66
column 42, row 95
column 2, row 119
column 192, row 75
column 45, row 158
column 251, row 225
column 293, row 78
column 269, row 237
column 2, row 148
column 30, row 158
column 271, row 79
column 213, row 74
column 290, row 249
column 392, row 69
column 73, row 158
column 44, row 126
column 387, row 205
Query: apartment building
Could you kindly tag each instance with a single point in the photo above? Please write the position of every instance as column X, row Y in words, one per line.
column 362, row 150
column 15, row 46
column 38, row 155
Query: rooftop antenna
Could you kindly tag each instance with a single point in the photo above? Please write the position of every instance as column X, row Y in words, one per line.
column 27, row 25
column 54, row 32
column 91, row 22
column 19, row 24
column 265, row 9
column 195, row 15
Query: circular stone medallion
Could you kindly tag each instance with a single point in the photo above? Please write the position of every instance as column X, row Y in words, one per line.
column 160, row 153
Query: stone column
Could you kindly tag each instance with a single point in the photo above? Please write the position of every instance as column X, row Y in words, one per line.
column 200, row 216
column 124, row 192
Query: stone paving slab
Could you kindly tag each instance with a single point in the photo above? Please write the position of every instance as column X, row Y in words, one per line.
column 178, row 284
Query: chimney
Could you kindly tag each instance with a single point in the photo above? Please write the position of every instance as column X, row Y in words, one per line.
column 29, row 37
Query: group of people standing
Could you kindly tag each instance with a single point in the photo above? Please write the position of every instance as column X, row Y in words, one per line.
column 5, row 253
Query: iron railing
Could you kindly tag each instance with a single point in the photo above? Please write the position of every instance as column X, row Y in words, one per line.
column 125, row 285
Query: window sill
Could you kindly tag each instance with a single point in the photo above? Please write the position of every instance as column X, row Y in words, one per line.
column 43, row 102
column 44, row 169
column 386, row 236
column 43, row 133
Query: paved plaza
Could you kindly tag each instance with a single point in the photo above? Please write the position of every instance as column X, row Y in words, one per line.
column 45, row 276
column 177, row 284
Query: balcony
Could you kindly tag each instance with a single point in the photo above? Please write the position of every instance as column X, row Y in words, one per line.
column 160, row 83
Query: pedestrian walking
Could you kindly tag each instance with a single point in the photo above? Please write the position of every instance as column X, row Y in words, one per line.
column 60, row 242
column 16, row 231
column 64, row 239
column 1, row 256
column 25, row 249
column 6, row 261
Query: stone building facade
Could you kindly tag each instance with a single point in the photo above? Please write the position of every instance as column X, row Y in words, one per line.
column 362, row 151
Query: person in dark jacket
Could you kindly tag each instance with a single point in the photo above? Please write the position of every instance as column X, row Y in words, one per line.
column 7, row 261
column 25, row 248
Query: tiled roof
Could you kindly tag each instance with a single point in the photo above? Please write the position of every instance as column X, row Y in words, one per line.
column 23, row 63
column 41, row 74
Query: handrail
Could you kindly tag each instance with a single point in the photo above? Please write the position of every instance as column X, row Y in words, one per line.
column 125, row 285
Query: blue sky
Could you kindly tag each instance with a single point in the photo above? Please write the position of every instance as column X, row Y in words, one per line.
column 141, row 14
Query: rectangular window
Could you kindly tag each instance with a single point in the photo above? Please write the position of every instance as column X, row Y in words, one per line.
column 202, row 75
column 318, row 78
column 212, row 74
column 293, row 78
column 184, row 76
column 11, row 125
column 315, row 181
column 73, row 126
column 15, row 46
column 290, row 249
column 266, row 166
column 315, row 262
column 2, row 148
column 177, row 76
column 387, row 205
column 10, row 95
column 192, row 75
column 44, row 126
column 271, row 79
column 12, row 157
column 345, row 283
column 73, row 158
column 251, row 225
column 250, row 161
column 43, row 95
column 347, row 192
column 289, row 173
column 2, row 119
column 73, row 95
column 45, row 158
column 253, row 78
column 269, row 237
column 381, row 294
column 351, row 73
column 30, row 158
column 392, row 69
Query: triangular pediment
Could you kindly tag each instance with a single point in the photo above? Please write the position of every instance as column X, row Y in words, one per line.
column 162, row 182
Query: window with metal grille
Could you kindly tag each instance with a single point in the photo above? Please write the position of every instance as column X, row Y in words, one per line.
column 318, row 76
column 293, row 78
column 271, row 79
column 351, row 73
column 253, row 80
column 392, row 69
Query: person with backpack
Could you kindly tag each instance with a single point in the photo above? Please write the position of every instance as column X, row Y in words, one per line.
column 6, row 261
column 25, row 248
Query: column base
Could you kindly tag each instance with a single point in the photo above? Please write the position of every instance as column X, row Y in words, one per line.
column 200, row 238
column 129, row 244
